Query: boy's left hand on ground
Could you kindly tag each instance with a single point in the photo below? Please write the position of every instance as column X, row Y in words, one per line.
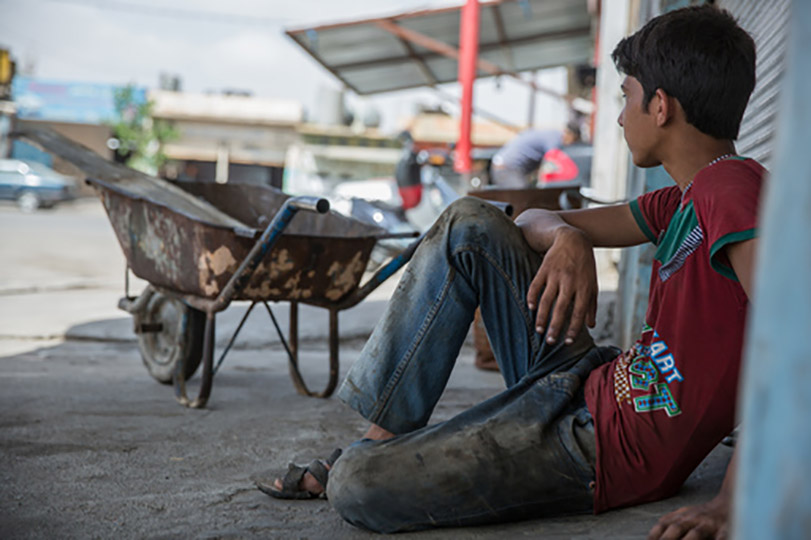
column 708, row 520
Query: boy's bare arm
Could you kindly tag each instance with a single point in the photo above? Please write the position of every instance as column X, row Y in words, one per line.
column 711, row 519
column 567, row 277
column 607, row 226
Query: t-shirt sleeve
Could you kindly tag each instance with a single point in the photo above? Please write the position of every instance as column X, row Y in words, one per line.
column 653, row 211
column 726, row 199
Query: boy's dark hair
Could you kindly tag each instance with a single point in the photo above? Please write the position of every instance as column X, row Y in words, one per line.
column 700, row 56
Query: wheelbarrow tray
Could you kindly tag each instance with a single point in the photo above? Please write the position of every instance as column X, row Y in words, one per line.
column 318, row 260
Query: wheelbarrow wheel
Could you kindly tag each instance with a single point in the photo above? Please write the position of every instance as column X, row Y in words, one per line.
column 170, row 332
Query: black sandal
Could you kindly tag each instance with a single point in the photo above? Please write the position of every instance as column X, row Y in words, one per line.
column 292, row 480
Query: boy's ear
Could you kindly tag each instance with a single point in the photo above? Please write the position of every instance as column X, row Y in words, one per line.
column 664, row 107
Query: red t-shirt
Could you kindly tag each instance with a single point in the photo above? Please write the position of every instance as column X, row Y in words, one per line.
column 662, row 406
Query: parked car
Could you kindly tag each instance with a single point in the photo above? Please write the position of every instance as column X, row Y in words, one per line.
column 33, row 185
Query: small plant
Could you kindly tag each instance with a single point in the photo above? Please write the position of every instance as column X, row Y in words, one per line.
column 139, row 138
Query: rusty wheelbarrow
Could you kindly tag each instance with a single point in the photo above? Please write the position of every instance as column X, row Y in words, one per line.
column 196, row 269
column 205, row 245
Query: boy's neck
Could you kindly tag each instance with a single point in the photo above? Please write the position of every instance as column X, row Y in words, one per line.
column 693, row 152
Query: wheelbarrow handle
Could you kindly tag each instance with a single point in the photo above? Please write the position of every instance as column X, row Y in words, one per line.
column 263, row 245
column 312, row 204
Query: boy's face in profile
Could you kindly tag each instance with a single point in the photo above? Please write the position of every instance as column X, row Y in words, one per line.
column 638, row 125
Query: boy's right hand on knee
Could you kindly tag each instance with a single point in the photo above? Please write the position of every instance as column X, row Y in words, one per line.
column 566, row 281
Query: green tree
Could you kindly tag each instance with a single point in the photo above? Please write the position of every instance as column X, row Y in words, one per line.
column 140, row 137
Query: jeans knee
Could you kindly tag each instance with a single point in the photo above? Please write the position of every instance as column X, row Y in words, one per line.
column 350, row 492
column 470, row 208
column 472, row 220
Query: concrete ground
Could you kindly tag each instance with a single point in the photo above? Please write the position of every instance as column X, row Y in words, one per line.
column 92, row 447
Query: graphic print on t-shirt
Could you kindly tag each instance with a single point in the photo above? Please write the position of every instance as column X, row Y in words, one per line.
column 682, row 238
column 643, row 375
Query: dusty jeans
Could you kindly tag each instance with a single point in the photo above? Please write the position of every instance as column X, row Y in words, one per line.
column 527, row 452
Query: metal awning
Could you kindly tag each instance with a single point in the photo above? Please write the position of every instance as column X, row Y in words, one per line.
column 420, row 48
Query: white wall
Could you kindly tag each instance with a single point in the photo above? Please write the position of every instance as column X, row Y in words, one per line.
column 610, row 167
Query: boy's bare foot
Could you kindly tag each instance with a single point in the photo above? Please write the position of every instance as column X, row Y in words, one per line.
column 377, row 433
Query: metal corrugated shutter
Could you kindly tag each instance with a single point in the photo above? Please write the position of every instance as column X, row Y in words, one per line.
column 767, row 22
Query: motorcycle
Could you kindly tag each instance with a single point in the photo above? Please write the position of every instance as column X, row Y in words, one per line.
column 426, row 194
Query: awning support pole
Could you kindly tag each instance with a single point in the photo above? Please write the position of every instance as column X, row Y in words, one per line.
column 468, row 56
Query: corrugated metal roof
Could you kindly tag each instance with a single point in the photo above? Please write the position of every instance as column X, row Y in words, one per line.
column 517, row 35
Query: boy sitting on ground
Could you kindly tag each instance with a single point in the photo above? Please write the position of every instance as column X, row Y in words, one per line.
column 579, row 428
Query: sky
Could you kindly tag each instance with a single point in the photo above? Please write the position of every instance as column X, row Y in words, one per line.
column 213, row 45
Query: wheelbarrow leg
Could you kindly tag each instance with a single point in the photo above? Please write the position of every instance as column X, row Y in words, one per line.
column 333, row 353
column 292, row 353
column 206, row 376
column 292, row 336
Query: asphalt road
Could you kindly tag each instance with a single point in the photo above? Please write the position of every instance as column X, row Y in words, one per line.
column 91, row 447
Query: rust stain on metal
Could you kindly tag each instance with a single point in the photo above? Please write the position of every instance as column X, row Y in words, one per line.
column 267, row 278
column 280, row 263
column 274, row 279
column 213, row 264
column 263, row 290
column 290, row 290
column 160, row 240
column 180, row 253
column 343, row 277
column 294, row 291
column 120, row 217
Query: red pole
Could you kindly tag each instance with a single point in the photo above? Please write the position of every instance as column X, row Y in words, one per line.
column 468, row 56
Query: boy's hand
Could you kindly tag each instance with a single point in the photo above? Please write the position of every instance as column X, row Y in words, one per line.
column 568, row 279
column 708, row 520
